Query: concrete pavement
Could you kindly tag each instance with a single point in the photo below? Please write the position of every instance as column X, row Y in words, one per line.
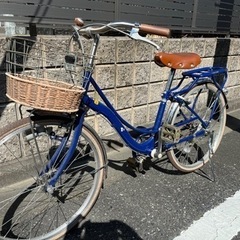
column 162, row 203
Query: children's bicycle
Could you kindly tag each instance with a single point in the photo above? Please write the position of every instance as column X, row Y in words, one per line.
column 53, row 164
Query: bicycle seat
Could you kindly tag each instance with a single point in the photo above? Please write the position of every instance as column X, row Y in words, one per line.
column 177, row 60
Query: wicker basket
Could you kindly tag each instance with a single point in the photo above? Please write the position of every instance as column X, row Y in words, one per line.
column 43, row 94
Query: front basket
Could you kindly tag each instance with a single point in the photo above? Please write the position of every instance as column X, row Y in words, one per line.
column 43, row 94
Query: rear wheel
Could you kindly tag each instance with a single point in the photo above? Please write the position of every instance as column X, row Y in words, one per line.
column 208, row 102
column 27, row 210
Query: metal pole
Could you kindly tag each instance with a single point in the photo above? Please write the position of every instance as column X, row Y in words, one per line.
column 117, row 4
column 194, row 15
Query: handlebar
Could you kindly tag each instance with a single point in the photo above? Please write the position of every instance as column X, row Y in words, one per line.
column 150, row 29
column 92, row 31
column 98, row 29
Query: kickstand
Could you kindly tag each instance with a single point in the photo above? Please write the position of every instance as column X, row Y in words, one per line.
column 210, row 156
column 212, row 176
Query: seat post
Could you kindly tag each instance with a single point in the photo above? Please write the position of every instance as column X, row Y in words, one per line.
column 170, row 79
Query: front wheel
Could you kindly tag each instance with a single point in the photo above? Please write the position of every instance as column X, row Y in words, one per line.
column 27, row 209
column 208, row 102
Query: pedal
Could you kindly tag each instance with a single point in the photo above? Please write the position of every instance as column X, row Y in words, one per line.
column 170, row 133
column 136, row 164
column 132, row 162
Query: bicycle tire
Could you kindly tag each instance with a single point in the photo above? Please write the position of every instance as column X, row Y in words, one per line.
column 27, row 211
column 192, row 155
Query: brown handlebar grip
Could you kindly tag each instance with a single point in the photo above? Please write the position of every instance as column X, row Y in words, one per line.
column 79, row 22
column 161, row 31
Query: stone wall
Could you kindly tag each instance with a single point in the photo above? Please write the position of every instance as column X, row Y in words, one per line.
column 132, row 81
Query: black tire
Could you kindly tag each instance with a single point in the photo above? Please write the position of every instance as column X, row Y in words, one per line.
column 27, row 210
column 192, row 155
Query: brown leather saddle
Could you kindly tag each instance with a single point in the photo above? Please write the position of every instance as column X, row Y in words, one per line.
column 177, row 60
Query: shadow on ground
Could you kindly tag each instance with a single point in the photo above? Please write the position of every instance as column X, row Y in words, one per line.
column 100, row 231
column 233, row 123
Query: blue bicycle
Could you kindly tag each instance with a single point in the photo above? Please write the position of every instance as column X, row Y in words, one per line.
column 54, row 164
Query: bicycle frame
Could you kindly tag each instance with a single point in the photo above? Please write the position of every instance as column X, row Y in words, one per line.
column 119, row 124
column 153, row 144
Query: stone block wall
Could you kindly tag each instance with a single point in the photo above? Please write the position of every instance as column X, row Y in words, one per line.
column 131, row 80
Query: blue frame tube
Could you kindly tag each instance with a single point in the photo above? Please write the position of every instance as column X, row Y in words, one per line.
column 145, row 147
column 71, row 150
column 55, row 156
column 110, row 107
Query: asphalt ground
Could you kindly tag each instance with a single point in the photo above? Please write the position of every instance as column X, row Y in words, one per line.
column 163, row 202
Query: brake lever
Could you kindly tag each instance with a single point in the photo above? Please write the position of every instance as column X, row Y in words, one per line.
column 134, row 34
